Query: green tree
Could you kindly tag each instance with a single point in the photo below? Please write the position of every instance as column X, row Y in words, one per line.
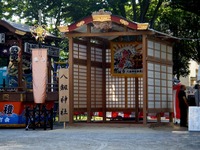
column 55, row 12
column 192, row 23
column 4, row 9
column 187, row 5
column 181, row 24
column 181, row 60
column 1, row 9
column 169, row 16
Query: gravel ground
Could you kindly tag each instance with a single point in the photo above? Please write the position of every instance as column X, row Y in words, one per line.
column 99, row 136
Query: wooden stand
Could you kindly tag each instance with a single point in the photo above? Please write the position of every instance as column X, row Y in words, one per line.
column 39, row 117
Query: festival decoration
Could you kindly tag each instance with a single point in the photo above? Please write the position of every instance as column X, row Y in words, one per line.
column 126, row 59
column 15, row 56
column 102, row 19
column 39, row 63
column 39, row 31
column 39, row 70
column 15, row 53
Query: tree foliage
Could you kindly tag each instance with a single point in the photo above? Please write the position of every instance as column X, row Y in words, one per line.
column 56, row 12
column 179, row 18
column 187, row 5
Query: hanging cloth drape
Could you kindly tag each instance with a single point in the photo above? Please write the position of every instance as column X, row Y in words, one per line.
column 39, row 73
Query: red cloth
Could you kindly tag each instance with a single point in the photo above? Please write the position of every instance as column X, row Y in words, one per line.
column 176, row 90
column 39, row 71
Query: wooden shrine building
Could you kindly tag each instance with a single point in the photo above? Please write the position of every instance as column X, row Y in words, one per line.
column 116, row 65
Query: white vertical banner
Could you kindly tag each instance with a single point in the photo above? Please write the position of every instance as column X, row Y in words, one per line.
column 63, row 94
column 39, row 73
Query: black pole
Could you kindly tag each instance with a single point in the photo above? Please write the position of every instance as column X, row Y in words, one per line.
column 198, row 96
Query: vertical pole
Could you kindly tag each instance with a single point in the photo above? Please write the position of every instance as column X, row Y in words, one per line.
column 88, row 80
column 198, row 97
column 144, row 61
column 158, row 117
column 27, row 117
column 49, row 75
column 44, row 110
column 51, row 119
column 170, row 116
column 126, row 91
column 88, row 76
column 39, row 113
column 104, row 83
column 33, row 122
column 136, row 100
column 71, row 81
column 64, row 125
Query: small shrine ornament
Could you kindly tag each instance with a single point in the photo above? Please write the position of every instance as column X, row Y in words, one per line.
column 39, row 31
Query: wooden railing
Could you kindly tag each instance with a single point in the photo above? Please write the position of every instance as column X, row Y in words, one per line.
column 51, row 87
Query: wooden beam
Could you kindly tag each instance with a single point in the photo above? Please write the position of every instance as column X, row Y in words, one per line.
column 126, row 92
column 136, row 100
column 104, row 34
column 88, row 28
column 145, row 101
column 104, row 83
column 49, row 72
column 88, row 81
column 71, row 85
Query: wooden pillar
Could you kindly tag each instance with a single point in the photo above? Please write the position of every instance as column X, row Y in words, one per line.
column 88, row 76
column 144, row 61
column 171, row 116
column 126, row 91
column 136, row 100
column 71, row 81
column 158, row 115
column 104, row 83
column 88, row 80
column 49, row 74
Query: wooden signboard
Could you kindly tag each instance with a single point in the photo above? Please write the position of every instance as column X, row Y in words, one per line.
column 63, row 95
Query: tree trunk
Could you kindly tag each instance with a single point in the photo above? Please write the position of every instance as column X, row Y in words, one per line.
column 134, row 10
column 155, row 13
column 144, row 6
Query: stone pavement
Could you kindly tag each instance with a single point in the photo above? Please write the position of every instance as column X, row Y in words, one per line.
column 99, row 136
